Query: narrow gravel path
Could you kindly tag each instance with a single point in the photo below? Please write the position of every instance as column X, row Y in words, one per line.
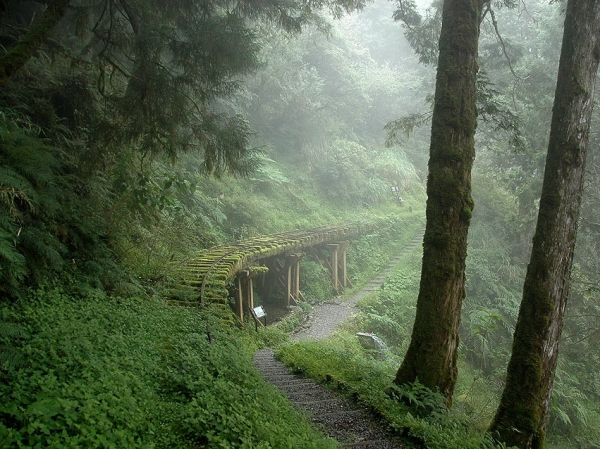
column 345, row 420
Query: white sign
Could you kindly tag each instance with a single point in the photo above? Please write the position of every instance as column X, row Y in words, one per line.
column 259, row 312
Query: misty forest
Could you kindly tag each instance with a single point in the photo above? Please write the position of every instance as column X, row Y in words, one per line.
column 443, row 143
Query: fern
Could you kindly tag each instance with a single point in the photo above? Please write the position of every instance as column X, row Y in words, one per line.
column 32, row 193
column 425, row 401
column 8, row 252
column 44, row 245
column 570, row 405
column 10, row 357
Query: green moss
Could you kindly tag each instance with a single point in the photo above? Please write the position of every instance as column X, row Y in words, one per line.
column 223, row 263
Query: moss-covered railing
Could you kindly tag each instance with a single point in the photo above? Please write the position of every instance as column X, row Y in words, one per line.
column 211, row 270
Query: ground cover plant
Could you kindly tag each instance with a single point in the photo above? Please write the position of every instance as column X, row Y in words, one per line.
column 117, row 372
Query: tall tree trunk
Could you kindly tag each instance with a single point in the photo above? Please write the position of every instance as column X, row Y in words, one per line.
column 431, row 356
column 523, row 411
column 17, row 56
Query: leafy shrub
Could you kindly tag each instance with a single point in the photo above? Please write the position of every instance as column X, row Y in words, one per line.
column 315, row 282
column 390, row 313
column 424, row 401
column 346, row 174
column 114, row 372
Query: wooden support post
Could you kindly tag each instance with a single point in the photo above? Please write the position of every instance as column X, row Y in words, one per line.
column 292, row 282
column 333, row 255
column 245, row 290
column 342, row 262
column 296, row 288
column 239, row 306
column 339, row 275
column 250, row 285
column 288, row 294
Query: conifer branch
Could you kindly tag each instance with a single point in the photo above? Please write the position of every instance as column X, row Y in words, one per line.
column 499, row 36
column 18, row 56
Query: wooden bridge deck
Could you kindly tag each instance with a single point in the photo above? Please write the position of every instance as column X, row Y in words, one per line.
column 211, row 270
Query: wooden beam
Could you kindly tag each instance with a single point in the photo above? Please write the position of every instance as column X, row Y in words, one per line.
column 250, row 285
column 342, row 261
column 297, row 279
column 239, row 303
column 333, row 257
column 288, row 292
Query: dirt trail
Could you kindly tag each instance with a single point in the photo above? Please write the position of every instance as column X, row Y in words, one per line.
column 347, row 421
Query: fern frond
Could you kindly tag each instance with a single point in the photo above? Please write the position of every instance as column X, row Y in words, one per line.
column 11, row 358
column 15, row 201
column 8, row 251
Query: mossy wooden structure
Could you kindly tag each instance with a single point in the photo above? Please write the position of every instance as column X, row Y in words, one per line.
column 217, row 271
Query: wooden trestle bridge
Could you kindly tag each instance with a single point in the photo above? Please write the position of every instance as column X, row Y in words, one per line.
column 270, row 263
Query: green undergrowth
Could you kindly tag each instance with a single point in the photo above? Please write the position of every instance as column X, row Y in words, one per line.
column 371, row 253
column 343, row 364
column 113, row 372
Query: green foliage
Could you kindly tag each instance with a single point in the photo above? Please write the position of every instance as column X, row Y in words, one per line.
column 10, row 356
column 372, row 251
column 421, row 32
column 494, row 279
column 343, row 175
column 493, row 110
column 45, row 220
column 422, row 399
column 27, row 169
column 115, row 372
column 390, row 313
column 495, row 118
column 349, row 174
column 405, row 126
column 345, row 365
column 315, row 282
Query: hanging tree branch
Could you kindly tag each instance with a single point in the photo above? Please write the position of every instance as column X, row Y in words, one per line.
column 499, row 36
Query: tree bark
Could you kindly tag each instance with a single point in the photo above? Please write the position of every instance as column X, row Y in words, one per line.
column 431, row 356
column 18, row 56
column 523, row 411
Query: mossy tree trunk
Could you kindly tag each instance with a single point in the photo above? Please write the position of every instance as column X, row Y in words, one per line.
column 431, row 356
column 523, row 411
column 17, row 56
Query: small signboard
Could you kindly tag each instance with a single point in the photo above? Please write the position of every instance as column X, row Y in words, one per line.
column 259, row 312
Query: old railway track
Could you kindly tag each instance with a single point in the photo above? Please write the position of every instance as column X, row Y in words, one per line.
column 211, row 270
